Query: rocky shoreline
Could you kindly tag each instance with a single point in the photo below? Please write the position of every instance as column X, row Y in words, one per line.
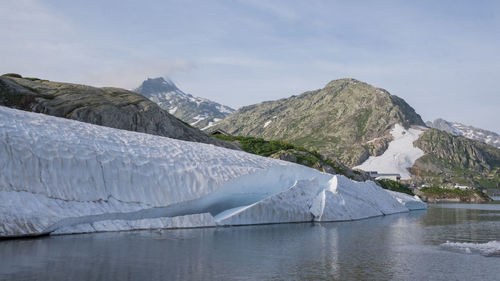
column 433, row 195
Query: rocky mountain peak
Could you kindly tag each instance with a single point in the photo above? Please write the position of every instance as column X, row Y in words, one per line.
column 196, row 111
column 343, row 82
column 157, row 85
column 347, row 119
column 469, row 132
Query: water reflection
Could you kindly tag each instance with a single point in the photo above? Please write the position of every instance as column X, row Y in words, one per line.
column 401, row 246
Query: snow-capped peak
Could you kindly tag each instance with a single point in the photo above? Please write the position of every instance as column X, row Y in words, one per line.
column 469, row 132
column 186, row 107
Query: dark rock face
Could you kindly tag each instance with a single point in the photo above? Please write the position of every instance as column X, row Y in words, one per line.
column 110, row 107
column 154, row 86
column 348, row 120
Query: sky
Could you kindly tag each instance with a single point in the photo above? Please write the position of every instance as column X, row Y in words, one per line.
column 442, row 57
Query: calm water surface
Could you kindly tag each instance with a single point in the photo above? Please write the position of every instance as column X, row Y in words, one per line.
column 397, row 247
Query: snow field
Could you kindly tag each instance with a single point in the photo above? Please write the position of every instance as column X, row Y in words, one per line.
column 399, row 156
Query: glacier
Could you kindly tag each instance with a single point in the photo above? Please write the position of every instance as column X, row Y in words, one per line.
column 60, row 176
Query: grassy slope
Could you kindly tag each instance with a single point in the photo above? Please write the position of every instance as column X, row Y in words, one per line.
column 301, row 155
column 463, row 195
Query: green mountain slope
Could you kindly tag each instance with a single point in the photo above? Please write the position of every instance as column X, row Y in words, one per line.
column 450, row 160
column 347, row 119
column 288, row 152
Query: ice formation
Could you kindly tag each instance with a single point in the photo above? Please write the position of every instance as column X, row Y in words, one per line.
column 489, row 249
column 399, row 156
column 64, row 176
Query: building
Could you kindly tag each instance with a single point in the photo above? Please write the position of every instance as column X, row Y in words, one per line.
column 379, row 176
column 219, row 132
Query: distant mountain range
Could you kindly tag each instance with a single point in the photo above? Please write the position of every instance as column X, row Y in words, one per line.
column 197, row 112
column 469, row 132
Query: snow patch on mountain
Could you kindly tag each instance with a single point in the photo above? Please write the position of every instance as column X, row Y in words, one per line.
column 65, row 176
column 198, row 118
column 172, row 110
column 400, row 155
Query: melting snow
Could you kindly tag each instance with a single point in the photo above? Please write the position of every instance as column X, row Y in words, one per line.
column 198, row 118
column 491, row 248
column 224, row 109
column 399, row 156
column 65, row 176
column 172, row 110
column 267, row 123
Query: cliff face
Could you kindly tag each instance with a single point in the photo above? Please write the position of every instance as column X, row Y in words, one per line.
column 110, row 107
column 451, row 159
column 347, row 119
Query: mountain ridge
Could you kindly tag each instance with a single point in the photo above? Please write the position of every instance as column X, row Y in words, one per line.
column 470, row 132
column 198, row 112
column 351, row 120
column 347, row 119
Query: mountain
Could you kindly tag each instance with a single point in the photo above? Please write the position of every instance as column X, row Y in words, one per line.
column 451, row 159
column 110, row 107
column 64, row 176
column 198, row 112
column 469, row 132
column 368, row 128
column 347, row 119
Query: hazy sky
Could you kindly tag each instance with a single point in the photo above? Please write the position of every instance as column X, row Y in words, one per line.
column 442, row 57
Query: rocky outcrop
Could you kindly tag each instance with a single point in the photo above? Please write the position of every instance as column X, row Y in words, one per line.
column 452, row 159
column 110, row 107
column 347, row 119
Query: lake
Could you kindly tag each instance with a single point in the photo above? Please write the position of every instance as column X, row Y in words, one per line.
column 405, row 246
